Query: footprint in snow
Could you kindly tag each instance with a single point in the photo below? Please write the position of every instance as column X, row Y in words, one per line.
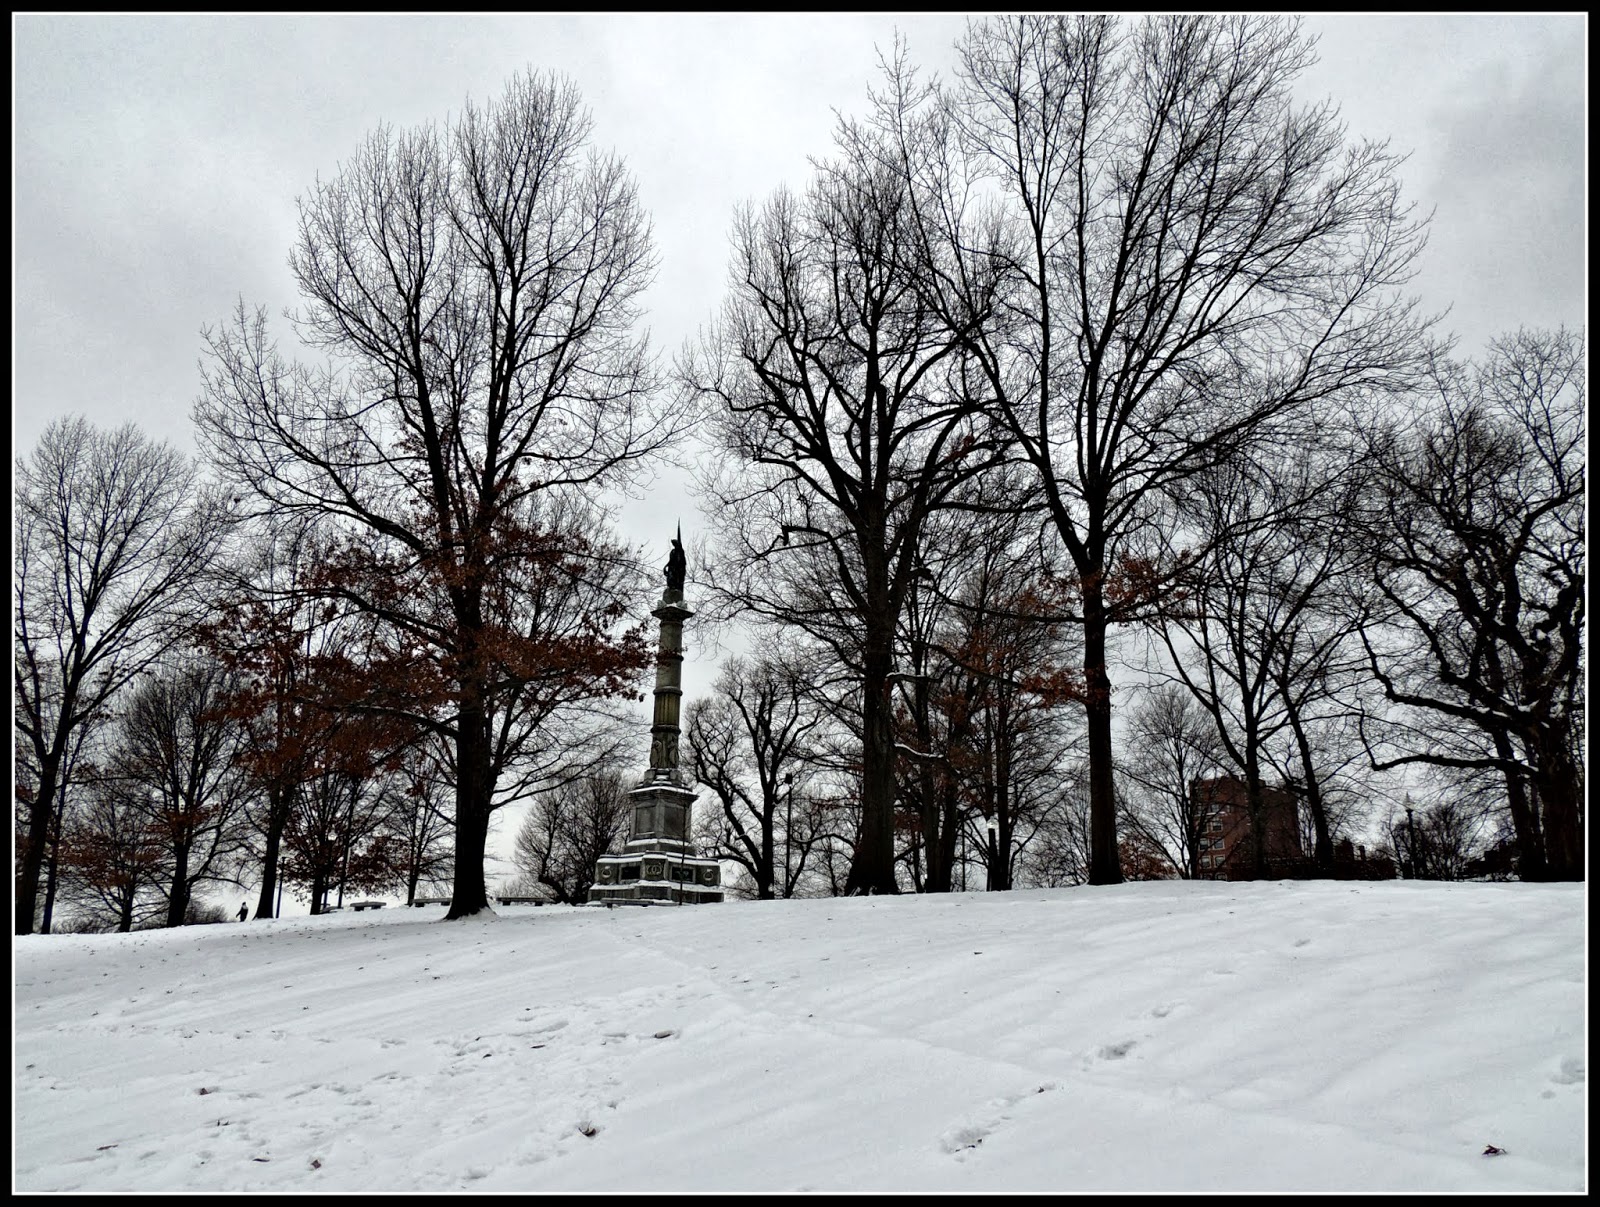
column 1570, row 1073
column 959, row 1139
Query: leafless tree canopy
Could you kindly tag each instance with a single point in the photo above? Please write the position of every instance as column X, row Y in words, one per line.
column 748, row 743
column 473, row 291
column 1478, row 550
column 178, row 761
column 1198, row 263
column 112, row 533
column 1105, row 330
column 568, row 828
column 839, row 390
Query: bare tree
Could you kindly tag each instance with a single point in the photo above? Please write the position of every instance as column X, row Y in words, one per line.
column 269, row 628
column 179, row 757
column 419, row 820
column 1262, row 630
column 1478, row 549
column 112, row 857
column 1198, row 263
column 475, row 292
column 1443, row 840
column 1058, row 855
column 1327, row 766
column 111, row 533
column 842, row 403
column 746, row 741
column 1171, row 743
column 981, row 718
column 568, row 829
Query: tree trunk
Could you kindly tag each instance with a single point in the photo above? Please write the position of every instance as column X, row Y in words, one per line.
column 473, row 792
column 937, row 852
column 1322, row 853
column 1000, row 855
column 33, row 843
column 1256, row 811
column 872, row 869
column 469, row 894
column 51, row 874
column 937, row 855
column 277, row 817
column 1104, row 865
column 1555, row 783
column 178, row 897
column 1531, row 865
column 765, row 868
column 949, row 837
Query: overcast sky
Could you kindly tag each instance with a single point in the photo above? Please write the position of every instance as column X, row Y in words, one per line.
column 157, row 161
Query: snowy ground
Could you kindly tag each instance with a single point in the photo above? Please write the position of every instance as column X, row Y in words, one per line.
column 1272, row 1036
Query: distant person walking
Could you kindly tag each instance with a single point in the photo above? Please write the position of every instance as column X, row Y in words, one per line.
column 244, row 911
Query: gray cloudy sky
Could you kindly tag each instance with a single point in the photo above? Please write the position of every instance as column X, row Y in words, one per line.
column 157, row 161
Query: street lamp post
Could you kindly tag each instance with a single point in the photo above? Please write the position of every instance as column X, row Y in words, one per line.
column 1411, row 837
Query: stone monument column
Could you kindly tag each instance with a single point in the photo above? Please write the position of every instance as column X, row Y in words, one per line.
column 658, row 864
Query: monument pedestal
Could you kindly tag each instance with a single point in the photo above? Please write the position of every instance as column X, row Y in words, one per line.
column 658, row 863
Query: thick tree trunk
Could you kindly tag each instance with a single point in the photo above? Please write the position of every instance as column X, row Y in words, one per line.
column 1105, row 867
column 1531, row 865
column 277, row 817
column 1000, row 849
column 1555, row 783
column 469, row 894
column 1256, row 810
column 51, row 874
column 473, row 792
column 33, row 843
column 178, row 897
column 766, row 871
column 872, row 869
column 938, row 845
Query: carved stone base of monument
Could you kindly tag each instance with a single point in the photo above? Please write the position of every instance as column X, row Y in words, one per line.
column 656, row 878
column 658, row 863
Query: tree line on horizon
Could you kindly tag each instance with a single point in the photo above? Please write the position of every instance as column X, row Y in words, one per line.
column 1088, row 374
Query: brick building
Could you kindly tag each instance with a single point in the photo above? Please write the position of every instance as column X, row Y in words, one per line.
column 1224, row 844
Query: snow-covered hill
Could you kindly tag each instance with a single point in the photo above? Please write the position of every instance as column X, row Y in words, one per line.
column 1271, row 1036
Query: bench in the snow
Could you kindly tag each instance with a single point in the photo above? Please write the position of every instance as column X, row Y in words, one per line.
column 430, row 901
column 367, row 905
column 519, row 900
